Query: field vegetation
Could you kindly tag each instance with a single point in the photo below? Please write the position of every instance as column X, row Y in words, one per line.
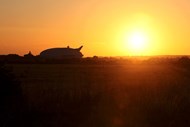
column 102, row 93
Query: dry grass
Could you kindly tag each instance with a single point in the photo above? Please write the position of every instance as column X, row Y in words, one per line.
column 132, row 95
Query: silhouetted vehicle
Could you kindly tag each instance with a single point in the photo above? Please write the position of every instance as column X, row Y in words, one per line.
column 61, row 53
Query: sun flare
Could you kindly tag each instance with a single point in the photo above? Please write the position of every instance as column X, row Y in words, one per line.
column 137, row 42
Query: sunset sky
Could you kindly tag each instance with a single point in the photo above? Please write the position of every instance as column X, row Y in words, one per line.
column 103, row 27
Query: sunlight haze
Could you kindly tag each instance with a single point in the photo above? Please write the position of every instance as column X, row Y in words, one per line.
column 103, row 27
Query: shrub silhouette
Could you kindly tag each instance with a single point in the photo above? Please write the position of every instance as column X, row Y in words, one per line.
column 184, row 61
column 10, row 98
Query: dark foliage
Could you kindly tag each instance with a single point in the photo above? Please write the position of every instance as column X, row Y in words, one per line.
column 184, row 62
column 98, row 92
column 10, row 98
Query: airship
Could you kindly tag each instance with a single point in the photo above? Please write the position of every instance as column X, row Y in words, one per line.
column 61, row 53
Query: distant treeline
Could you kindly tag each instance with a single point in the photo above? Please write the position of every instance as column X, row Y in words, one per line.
column 29, row 59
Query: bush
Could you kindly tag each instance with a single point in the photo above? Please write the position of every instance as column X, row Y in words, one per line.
column 10, row 98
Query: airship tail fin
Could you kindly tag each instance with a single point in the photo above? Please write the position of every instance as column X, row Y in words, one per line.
column 80, row 48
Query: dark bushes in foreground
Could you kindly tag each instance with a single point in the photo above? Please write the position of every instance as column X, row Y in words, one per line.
column 148, row 94
column 11, row 99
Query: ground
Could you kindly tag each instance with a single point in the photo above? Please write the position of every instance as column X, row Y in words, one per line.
column 104, row 95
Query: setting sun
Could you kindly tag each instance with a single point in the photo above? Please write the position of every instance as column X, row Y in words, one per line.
column 137, row 41
column 140, row 36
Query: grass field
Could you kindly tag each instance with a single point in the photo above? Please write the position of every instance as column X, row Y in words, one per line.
column 104, row 95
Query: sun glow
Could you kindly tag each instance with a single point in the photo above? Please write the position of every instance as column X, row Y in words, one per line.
column 140, row 36
column 137, row 41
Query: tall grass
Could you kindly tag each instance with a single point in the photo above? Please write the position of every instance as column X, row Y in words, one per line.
column 132, row 95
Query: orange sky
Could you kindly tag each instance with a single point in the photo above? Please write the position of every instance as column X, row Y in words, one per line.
column 100, row 25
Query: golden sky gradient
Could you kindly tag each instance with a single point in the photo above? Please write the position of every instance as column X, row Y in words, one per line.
column 102, row 26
